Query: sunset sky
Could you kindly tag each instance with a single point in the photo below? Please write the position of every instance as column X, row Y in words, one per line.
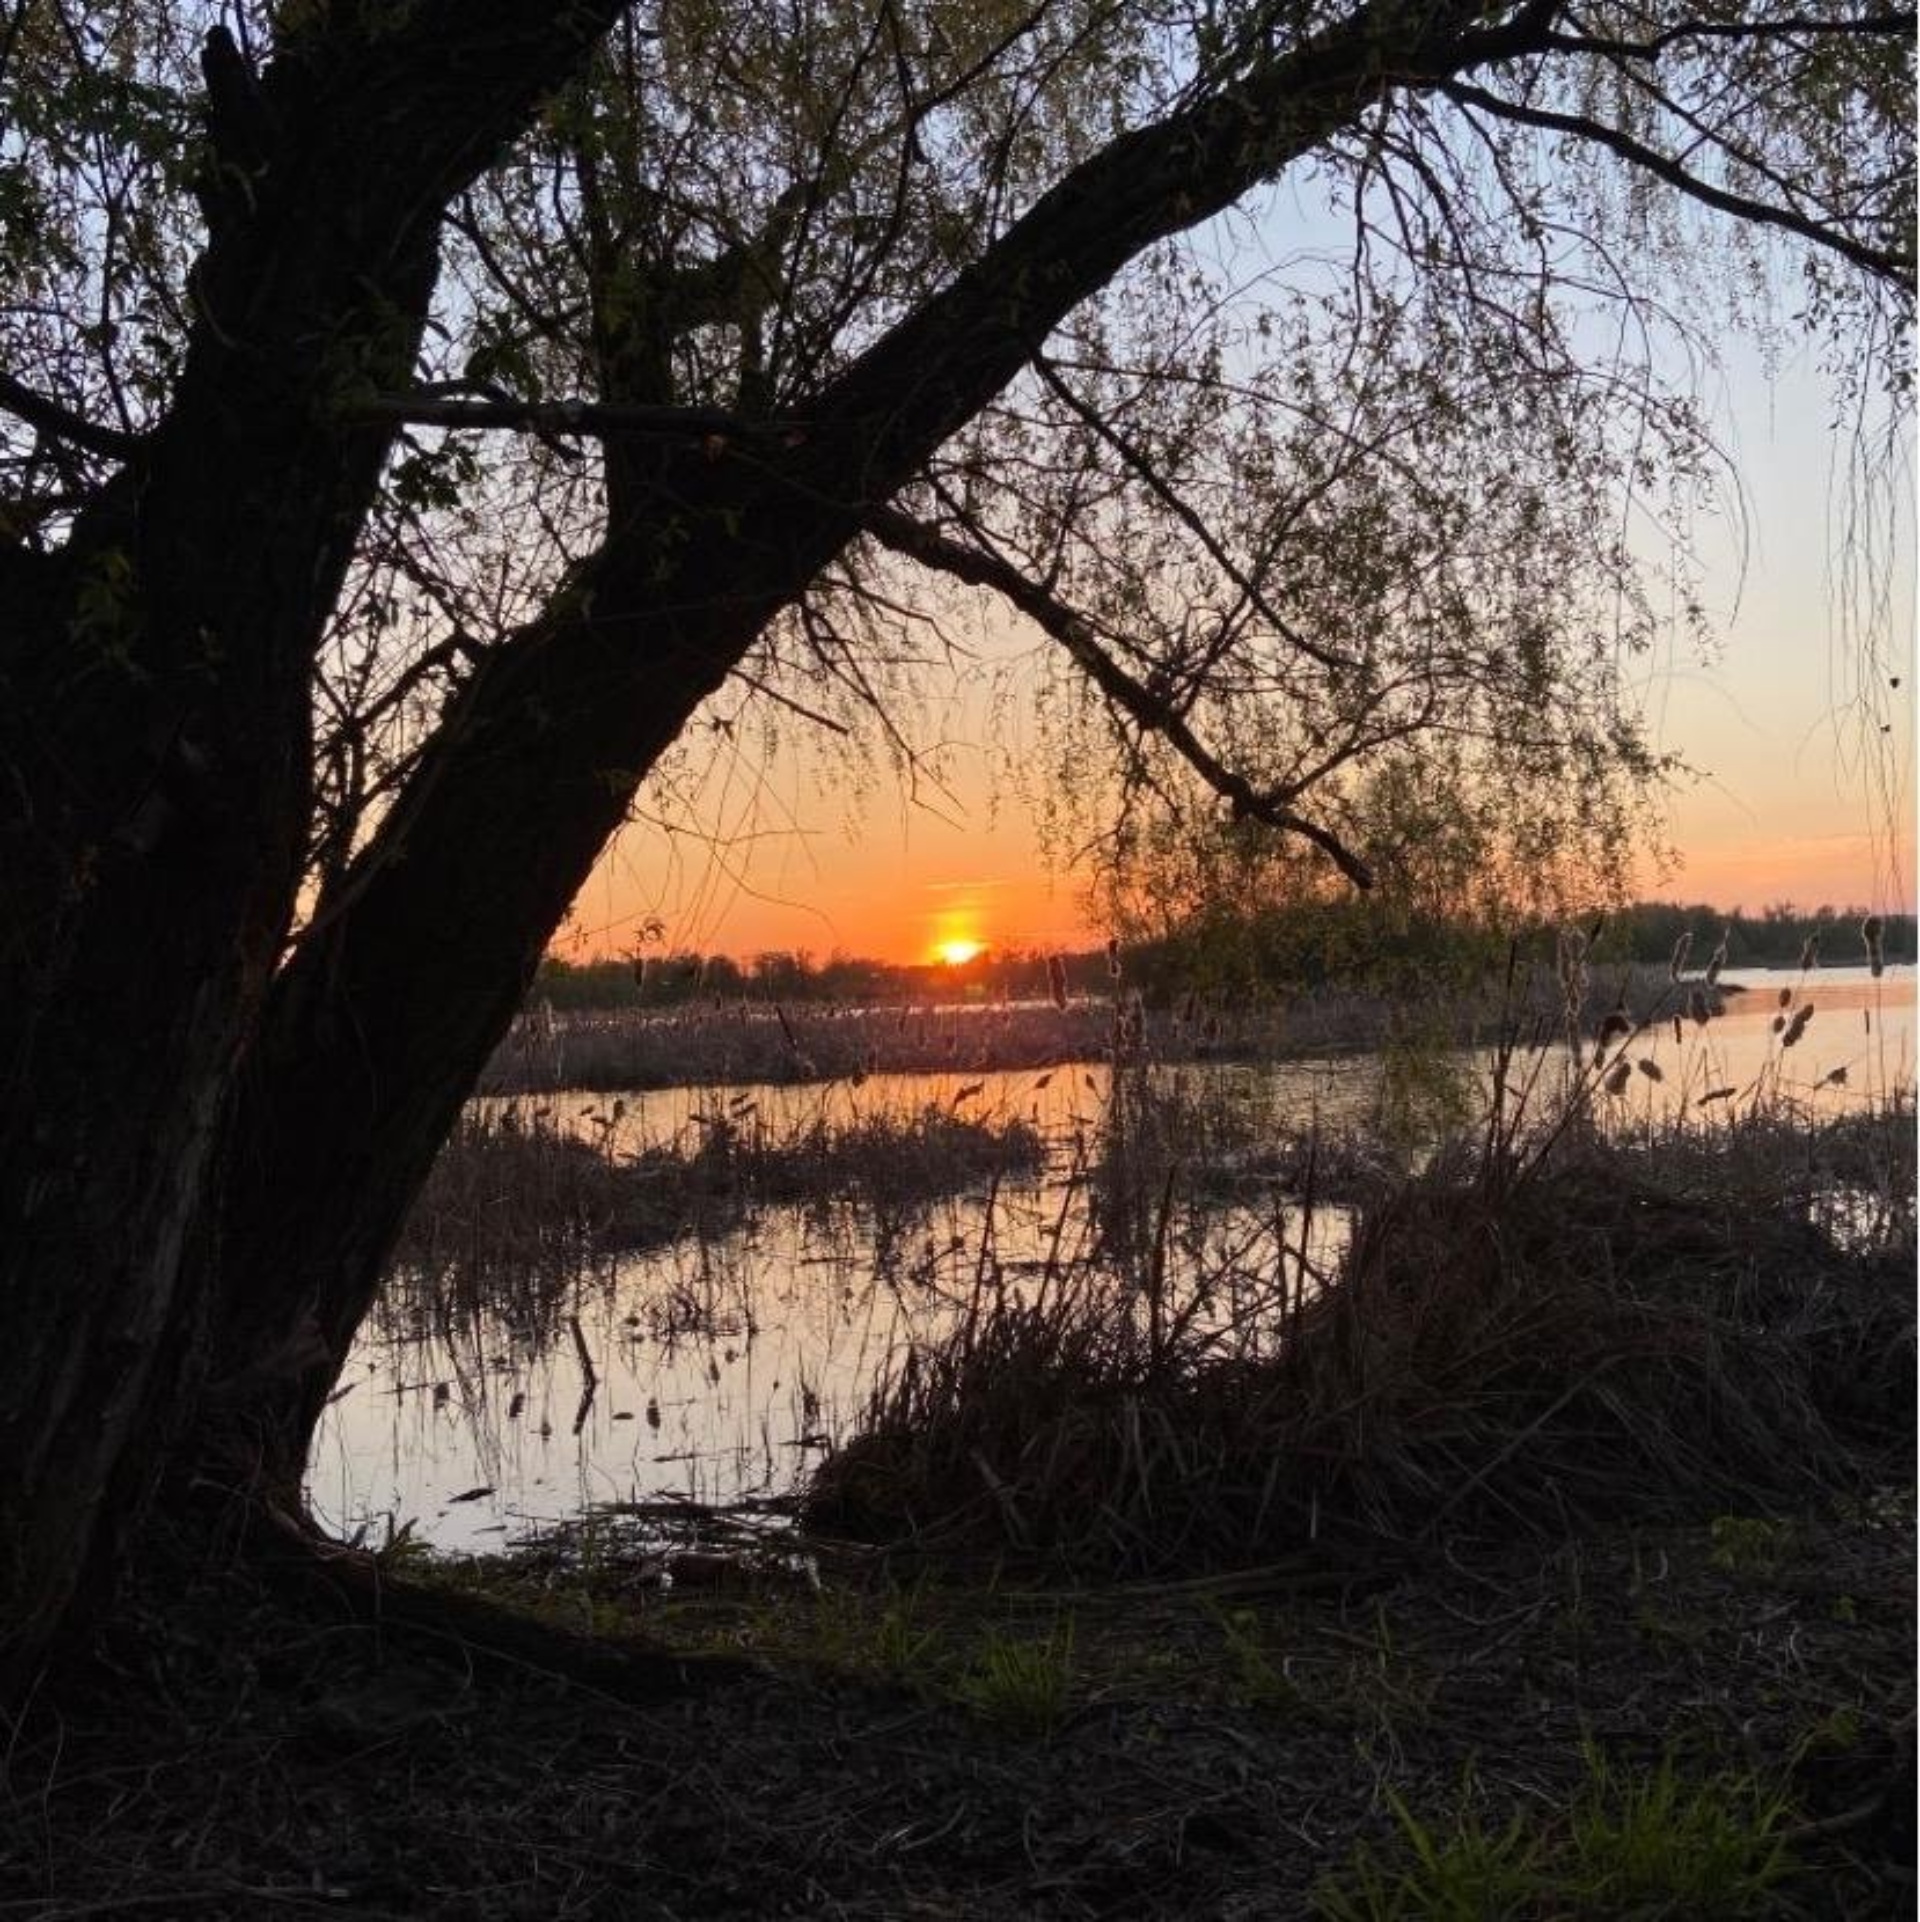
column 1801, row 798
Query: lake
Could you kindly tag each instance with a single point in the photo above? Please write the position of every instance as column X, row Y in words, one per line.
column 723, row 1366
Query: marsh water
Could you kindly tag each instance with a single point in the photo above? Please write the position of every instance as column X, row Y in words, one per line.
column 722, row 1364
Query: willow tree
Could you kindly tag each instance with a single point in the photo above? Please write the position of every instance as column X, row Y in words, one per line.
column 418, row 411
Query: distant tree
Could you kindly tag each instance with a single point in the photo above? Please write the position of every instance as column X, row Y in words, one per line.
column 419, row 418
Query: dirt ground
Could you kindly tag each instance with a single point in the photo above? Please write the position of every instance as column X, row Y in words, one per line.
column 898, row 1745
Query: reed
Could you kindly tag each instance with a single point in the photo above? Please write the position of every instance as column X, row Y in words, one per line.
column 1503, row 1348
column 518, row 1211
column 744, row 1043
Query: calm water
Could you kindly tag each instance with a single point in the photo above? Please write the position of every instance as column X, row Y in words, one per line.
column 724, row 1367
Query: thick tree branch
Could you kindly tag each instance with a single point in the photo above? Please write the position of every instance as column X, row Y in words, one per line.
column 978, row 567
column 50, row 417
column 936, row 369
column 1877, row 261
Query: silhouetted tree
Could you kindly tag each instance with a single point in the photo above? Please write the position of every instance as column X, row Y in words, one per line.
column 417, row 414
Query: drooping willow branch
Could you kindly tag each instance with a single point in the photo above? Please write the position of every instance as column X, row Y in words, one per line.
column 1885, row 265
column 979, row 567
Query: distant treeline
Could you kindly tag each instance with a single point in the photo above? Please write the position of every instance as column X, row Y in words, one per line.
column 679, row 979
column 1776, row 937
column 1310, row 945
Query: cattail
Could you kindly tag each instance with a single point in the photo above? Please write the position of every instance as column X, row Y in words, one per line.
column 1651, row 1069
column 1697, row 1007
column 1779, row 1022
column 1716, row 1094
column 1836, row 1077
column 1681, row 949
column 1057, row 980
column 1798, row 1025
column 1870, row 932
column 1617, row 1023
column 1786, row 997
column 1621, row 1075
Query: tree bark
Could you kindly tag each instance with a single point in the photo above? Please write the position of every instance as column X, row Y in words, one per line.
column 154, row 753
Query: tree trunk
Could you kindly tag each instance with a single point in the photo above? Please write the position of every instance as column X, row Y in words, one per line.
column 154, row 752
column 375, row 1034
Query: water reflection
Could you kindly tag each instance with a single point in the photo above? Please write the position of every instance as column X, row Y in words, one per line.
column 716, row 1367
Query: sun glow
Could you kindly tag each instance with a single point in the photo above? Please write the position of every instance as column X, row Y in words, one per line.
column 957, row 953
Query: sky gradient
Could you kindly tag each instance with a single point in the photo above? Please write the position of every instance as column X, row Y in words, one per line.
column 1799, row 797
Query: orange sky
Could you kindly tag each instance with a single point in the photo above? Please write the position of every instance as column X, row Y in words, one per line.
column 1804, row 798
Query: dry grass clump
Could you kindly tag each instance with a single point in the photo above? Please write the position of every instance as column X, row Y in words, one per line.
column 875, row 1157
column 1853, row 1175
column 511, row 1191
column 1493, row 1354
column 517, row 1205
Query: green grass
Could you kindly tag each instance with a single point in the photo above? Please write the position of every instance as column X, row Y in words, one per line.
column 1652, row 1843
column 1021, row 1683
column 1752, row 1545
column 1257, row 1679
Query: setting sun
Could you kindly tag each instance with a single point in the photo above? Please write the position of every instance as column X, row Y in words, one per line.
column 956, row 954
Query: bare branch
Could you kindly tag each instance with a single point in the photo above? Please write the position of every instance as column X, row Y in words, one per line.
column 1169, row 496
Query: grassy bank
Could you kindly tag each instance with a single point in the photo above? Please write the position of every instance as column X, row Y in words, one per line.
column 1710, row 1720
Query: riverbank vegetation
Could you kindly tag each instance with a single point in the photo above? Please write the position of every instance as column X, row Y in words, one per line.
column 748, row 1042
column 1521, row 1347
column 1538, row 1544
